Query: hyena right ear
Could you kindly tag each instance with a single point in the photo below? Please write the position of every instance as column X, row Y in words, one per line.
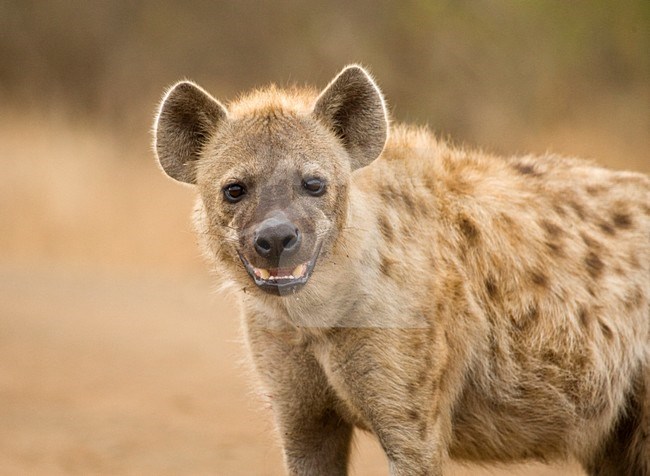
column 187, row 117
column 353, row 107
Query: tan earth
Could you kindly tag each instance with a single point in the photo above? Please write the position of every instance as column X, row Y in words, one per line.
column 116, row 355
column 143, row 375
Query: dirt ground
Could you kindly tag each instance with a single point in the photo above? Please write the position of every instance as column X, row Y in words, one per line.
column 136, row 374
column 116, row 355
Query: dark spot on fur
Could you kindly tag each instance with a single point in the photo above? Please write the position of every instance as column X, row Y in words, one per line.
column 555, row 248
column 594, row 264
column 408, row 201
column 533, row 313
column 491, row 287
column 468, row 229
column 429, row 181
column 595, row 190
column 386, row 195
column 422, row 374
column 634, row 298
column 457, row 291
column 539, row 278
column 526, row 169
column 507, row 219
column 386, row 265
column 422, row 429
column 622, row 220
column 529, row 316
column 427, row 359
column 412, row 388
column 434, row 387
column 591, row 291
column 553, row 232
column 417, row 344
column 607, row 332
column 585, row 317
column 413, row 414
column 552, row 357
column 590, row 242
column 606, row 228
column 577, row 208
column 397, row 195
column 559, row 209
column 633, row 259
column 386, row 228
column 551, row 228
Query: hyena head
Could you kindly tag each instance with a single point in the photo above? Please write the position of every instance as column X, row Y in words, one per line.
column 272, row 171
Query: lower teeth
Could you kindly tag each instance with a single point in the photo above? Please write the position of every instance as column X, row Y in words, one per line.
column 265, row 275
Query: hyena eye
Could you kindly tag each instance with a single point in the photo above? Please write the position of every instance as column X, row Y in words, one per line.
column 314, row 186
column 234, row 192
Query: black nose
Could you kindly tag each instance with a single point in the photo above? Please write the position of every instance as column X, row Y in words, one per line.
column 276, row 237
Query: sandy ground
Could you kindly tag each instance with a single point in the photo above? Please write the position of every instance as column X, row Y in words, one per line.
column 136, row 374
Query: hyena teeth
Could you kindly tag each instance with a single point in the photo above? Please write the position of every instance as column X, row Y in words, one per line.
column 265, row 274
column 299, row 270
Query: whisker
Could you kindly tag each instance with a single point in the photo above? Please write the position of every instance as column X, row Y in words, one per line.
column 224, row 226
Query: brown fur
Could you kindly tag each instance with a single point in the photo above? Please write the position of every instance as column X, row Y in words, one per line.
column 463, row 305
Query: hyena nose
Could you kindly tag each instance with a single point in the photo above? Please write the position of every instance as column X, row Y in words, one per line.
column 276, row 238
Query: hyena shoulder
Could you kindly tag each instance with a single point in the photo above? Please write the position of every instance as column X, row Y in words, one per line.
column 554, row 256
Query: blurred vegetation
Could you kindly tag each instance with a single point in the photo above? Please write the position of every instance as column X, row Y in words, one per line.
column 480, row 71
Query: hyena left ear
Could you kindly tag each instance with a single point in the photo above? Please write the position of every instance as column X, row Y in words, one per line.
column 353, row 107
column 188, row 116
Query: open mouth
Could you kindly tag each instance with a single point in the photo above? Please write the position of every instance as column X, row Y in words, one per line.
column 281, row 280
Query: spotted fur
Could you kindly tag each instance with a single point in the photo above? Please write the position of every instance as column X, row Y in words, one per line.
column 463, row 305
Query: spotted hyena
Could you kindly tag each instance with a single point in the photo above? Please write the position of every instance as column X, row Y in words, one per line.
column 452, row 303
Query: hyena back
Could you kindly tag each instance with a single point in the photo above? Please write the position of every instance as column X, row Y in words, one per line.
column 455, row 304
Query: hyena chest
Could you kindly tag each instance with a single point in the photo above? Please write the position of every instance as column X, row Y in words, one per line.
column 348, row 404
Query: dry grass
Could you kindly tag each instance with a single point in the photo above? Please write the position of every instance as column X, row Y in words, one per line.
column 72, row 192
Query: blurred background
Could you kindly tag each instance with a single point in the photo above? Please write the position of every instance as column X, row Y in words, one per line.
column 116, row 354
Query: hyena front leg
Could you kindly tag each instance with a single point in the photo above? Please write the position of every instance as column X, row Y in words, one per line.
column 396, row 391
column 407, row 457
column 315, row 439
column 626, row 451
column 317, row 444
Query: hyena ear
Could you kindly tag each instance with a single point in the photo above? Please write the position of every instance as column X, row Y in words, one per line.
column 187, row 117
column 353, row 107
